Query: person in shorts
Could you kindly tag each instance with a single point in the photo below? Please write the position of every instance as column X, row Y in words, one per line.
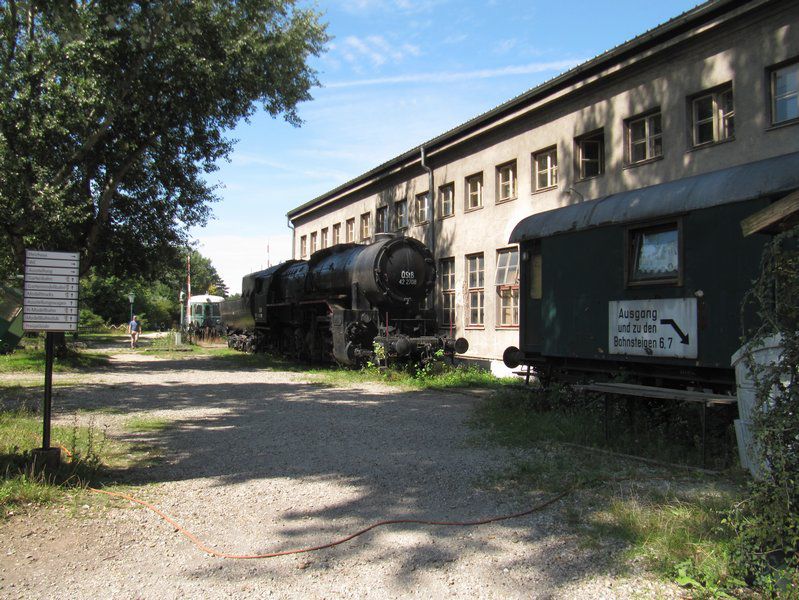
column 134, row 329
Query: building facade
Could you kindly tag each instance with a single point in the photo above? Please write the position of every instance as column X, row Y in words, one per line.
column 715, row 87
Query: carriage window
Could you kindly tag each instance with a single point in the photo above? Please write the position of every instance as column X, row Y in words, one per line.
column 655, row 254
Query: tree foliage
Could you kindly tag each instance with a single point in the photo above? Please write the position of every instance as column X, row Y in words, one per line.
column 112, row 113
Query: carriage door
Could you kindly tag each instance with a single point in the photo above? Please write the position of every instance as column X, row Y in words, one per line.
column 533, row 291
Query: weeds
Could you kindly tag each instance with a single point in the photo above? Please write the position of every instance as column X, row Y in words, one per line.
column 680, row 532
column 85, row 453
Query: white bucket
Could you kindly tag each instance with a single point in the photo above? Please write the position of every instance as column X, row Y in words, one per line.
column 768, row 352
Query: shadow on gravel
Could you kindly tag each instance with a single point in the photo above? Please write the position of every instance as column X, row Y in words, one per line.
column 398, row 455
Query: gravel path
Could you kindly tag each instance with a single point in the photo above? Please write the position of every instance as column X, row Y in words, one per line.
column 257, row 461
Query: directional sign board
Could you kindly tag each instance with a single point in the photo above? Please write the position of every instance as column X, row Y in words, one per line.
column 51, row 291
column 653, row 327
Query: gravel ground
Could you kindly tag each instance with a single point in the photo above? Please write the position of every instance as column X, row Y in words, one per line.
column 258, row 461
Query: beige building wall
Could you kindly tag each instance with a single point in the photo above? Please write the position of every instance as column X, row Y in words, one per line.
column 738, row 48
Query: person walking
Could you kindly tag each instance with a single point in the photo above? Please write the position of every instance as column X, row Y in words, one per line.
column 134, row 329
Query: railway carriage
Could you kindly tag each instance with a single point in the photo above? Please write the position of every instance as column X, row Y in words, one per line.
column 647, row 283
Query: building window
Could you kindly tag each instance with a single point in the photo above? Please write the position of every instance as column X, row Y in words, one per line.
column 475, row 267
column 381, row 220
column 474, row 191
column 713, row 116
column 350, row 233
column 447, row 268
column 324, row 238
column 313, row 242
column 785, row 93
column 366, row 227
column 401, row 212
column 644, row 138
column 336, row 233
column 654, row 254
column 507, row 282
column 303, row 246
column 506, row 182
column 446, row 199
column 590, row 155
column 545, row 164
column 422, row 209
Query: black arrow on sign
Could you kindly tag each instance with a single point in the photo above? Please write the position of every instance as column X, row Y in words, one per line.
column 683, row 337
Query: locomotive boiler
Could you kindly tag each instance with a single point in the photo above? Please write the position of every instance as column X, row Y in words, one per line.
column 349, row 304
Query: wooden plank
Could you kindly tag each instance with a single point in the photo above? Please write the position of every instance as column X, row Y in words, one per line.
column 646, row 391
column 785, row 209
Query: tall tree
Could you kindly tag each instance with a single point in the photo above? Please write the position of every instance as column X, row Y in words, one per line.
column 112, row 112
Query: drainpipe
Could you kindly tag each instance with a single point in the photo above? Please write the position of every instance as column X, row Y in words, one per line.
column 432, row 204
column 293, row 235
column 432, row 207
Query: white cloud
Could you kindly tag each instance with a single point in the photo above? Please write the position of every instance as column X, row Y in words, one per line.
column 375, row 49
column 538, row 67
column 235, row 256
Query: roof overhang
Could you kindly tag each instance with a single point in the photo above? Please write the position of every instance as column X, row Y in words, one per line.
column 769, row 177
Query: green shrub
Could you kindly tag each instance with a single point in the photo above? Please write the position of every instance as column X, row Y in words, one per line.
column 768, row 522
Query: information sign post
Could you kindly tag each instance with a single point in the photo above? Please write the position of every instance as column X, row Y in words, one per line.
column 50, row 304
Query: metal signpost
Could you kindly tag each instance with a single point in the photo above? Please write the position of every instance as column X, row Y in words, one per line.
column 50, row 304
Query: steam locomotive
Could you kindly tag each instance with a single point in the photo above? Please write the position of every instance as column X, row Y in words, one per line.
column 349, row 304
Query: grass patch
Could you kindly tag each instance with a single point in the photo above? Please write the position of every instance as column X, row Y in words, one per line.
column 675, row 522
column 30, row 360
column 144, row 425
column 438, row 375
column 88, row 457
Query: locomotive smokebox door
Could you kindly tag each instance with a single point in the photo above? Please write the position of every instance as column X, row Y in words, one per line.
column 406, row 269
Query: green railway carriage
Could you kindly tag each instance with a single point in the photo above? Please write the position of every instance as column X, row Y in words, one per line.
column 647, row 282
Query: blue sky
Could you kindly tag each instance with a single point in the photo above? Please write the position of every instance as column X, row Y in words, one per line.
column 398, row 73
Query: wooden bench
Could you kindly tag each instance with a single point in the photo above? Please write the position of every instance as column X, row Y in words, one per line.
column 646, row 391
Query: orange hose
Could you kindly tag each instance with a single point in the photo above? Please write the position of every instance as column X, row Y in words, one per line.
column 212, row 552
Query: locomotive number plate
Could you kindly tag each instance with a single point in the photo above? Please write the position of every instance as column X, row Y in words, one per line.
column 653, row 327
column 407, row 278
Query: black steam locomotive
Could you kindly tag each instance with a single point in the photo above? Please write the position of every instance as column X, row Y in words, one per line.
column 348, row 304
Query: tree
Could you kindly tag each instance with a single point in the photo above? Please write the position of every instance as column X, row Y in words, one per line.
column 112, row 112
column 157, row 299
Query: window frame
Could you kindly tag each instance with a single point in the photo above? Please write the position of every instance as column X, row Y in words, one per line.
column 314, row 245
column 349, row 231
column 468, row 194
column 420, row 218
column 303, row 246
column 648, row 140
column 550, row 169
column 401, row 220
column 596, row 136
column 336, row 234
column 719, row 118
column 365, row 229
column 503, row 288
column 381, row 219
column 448, row 316
column 323, row 238
column 511, row 168
column 630, row 254
column 772, row 84
column 475, row 291
column 450, row 188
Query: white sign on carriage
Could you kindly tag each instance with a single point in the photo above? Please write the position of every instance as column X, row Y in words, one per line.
column 50, row 301
column 663, row 327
